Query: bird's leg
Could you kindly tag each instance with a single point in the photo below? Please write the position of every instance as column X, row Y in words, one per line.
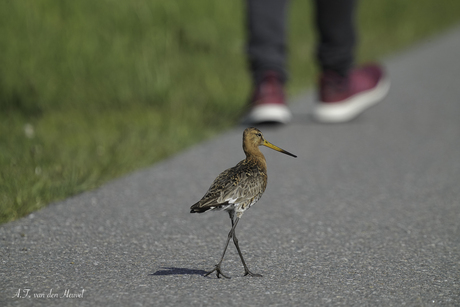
column 230, row 234
column 235, row 240
column 217, row 268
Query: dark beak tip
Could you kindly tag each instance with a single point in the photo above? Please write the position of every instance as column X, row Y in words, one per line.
column 289, row 154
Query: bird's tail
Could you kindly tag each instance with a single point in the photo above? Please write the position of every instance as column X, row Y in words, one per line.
column 200, row 208
column 196, row 208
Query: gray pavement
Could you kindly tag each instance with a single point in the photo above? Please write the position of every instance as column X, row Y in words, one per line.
column 367, row 215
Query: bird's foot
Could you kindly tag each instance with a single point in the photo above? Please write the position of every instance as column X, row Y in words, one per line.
column 218, row 272
column 247, row 272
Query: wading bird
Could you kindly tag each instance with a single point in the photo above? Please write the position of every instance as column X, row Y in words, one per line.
column 238, row 188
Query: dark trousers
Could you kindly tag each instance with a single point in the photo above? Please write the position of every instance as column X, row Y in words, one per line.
column 266, row 45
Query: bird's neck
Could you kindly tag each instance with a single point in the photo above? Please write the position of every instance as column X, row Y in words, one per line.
column 256, row 156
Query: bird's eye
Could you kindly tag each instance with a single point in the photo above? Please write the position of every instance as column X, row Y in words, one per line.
column 259, row 134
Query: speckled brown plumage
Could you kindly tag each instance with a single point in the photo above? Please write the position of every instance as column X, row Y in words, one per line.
column 236, row 188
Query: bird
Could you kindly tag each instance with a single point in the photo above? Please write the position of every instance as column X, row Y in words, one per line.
column 238, row 188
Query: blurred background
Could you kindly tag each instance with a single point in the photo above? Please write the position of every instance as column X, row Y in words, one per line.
column 91, row 90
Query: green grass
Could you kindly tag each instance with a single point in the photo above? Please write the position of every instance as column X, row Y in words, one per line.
column 91, row 90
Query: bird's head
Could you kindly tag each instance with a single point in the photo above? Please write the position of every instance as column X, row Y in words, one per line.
column 253, row 138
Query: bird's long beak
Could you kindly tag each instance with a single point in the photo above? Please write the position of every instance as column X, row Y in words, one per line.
column 270, row 145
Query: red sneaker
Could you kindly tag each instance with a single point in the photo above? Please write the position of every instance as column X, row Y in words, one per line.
column 267, row 104
column 344, row 98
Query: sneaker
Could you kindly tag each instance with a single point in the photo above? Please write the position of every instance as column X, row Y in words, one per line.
column 267, row 104
column 343, row 98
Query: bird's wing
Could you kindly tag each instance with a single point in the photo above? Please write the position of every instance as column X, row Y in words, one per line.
column 232, row 187
column 245, row 190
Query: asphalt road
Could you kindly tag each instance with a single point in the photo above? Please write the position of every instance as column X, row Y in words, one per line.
column 367, row 215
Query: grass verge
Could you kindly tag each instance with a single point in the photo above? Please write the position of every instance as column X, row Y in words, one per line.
column 91, row 90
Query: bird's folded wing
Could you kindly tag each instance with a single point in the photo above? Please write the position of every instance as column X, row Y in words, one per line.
column 231, row 187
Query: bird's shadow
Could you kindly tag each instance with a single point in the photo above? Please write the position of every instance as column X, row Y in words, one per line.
column 177, row 271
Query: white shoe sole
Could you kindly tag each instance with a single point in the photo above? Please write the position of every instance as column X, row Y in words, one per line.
column 349, row 109
column 273, row 113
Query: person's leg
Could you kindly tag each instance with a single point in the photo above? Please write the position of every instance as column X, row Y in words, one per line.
column 266, row 37
column 345, row 91
column 266, row 52
column 336, row 34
